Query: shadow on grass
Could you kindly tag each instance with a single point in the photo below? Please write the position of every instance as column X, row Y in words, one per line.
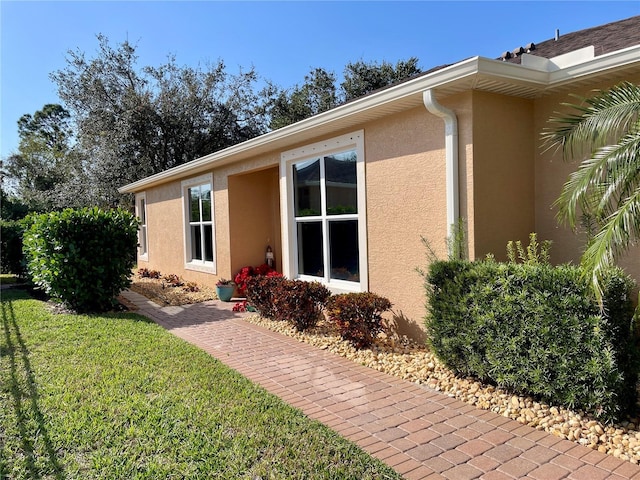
column 23, row 395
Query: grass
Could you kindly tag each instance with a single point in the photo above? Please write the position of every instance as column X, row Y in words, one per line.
column 115, row 396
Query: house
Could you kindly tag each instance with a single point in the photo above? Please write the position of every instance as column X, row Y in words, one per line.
column 345, row 197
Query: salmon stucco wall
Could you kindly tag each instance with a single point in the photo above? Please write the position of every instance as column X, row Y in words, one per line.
column 551, row 174
column 166, row 225
column 507, row 186
column 406, row 186
column 254, row 203
column 230, row 192
column 166, row 234
column 503, row 173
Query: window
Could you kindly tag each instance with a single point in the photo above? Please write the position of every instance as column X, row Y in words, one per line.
column 141, row 212
column 199, row 232
column 325, row 235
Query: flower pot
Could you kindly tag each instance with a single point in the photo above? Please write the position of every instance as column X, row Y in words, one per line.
column 225, row 292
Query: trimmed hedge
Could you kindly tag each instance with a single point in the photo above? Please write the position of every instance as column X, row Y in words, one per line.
column 537, row 330
column 11, row 257
column 82, row 257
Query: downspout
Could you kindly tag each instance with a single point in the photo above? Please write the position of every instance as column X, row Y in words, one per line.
column 451, row 156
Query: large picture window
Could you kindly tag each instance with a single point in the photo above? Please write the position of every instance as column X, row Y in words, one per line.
column 326, row 225
column 199, row 231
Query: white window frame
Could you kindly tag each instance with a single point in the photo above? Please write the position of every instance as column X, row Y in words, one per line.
column 143, row 231
column 189, row 262
column 352, row 141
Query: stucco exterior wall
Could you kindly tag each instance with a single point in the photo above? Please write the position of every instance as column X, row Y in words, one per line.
column 551, row 174
column 406, row 200
column 503, row 172
column 507, row 186
column 166, row 225
column 254, row 202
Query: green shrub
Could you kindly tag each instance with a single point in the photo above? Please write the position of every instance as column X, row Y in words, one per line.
column 11, row 257
column 260, row 290
column 536, row 329
column 82, row 257
column 358, row 316
column 299, row 302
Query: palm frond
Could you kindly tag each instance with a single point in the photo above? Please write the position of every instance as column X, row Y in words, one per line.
column 603, row 132
column 620, row 230
column 623, row 173
column 596, row 121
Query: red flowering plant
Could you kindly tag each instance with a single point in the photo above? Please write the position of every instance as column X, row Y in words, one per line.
column 245, row 273
column 240, row 306
column 242, row 277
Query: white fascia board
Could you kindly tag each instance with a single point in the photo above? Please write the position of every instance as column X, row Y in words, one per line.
column 600, row 63
column 513, row 72
column 561, row 61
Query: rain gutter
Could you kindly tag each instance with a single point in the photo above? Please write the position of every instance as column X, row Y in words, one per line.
column 451, row 157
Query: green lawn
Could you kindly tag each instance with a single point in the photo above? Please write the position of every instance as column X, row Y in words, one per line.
column 116, row 396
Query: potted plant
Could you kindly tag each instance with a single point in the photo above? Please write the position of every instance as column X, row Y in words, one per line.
column 225, row 289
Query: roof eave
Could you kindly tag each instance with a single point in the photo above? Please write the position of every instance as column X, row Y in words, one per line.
column 290, row 133
column 475, row 73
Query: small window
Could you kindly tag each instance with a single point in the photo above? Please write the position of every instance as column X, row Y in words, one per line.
column 143, row 238
column 199, row 231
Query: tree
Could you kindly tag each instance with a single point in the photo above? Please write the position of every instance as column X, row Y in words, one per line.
column 362, row 78
column 316, row 95
column 604, row 131
column 11, row 207
column 134, row 122
column 46, row 161
column 320, row 92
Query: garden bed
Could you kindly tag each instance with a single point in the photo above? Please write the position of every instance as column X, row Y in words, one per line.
column 166, row 293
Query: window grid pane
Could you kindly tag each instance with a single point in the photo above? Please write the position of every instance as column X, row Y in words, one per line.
column 207, row 232
column 200, row 224
column 205, row 195
column 326, row 188
column 143, row 239
column 344, row 254
column 142, row 213
column 194, row 201
column 310, row 249
column 306, row 181
column 196, row 242
column 341, row 183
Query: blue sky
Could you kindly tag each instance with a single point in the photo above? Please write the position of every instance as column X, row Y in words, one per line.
column 282, row 40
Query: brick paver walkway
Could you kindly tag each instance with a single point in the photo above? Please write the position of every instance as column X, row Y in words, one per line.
column 421, row 433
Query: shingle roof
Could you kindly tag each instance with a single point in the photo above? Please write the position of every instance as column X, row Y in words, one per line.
column 605, row 38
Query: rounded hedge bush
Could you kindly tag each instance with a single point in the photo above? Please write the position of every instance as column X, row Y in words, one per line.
column 82, row 257
column 537, row 330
